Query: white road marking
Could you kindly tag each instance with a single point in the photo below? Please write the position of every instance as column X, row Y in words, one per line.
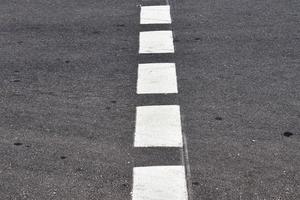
column 155, row 15
column 156, row 42
column 157, row 78
column 158, row 126
column 159, row 183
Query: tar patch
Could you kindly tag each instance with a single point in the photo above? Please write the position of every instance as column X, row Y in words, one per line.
column 219, row 118
column 287, row 134
column 195, row 183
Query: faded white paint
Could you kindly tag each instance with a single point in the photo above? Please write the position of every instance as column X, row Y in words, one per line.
column 157, row 78
column 159, row 183
column 156, row 42
column 155, row 15
column 158, row 126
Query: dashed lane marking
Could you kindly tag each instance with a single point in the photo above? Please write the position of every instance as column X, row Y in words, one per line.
column 157, row 78
column 156, row 42
column 155, row 15
column 159, row 183
column 158, row 126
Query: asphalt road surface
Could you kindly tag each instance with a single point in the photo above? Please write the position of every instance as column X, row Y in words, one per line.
column 68, row 98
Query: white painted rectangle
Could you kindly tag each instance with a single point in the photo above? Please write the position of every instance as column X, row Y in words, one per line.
column 156, row 42
column 159, row 183
column 158, row 126
column 157, row 78
column 155, row 15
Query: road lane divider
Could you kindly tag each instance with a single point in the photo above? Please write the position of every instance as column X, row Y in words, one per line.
column 157, row 78
column 155, row 15
column 156, row 42
column 159, row 183
column 158, row 126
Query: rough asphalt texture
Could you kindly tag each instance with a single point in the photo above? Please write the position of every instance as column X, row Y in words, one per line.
column 67, row 94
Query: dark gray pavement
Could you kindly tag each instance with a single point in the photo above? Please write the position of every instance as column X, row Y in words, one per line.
column 239, row 77
column 66, row 90
column 67, row 98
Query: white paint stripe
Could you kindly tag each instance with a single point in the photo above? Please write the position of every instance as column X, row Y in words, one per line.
column 159, row 183
column 155, row 15
column 157, row 78
column 158, row 126
column 156, row 42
